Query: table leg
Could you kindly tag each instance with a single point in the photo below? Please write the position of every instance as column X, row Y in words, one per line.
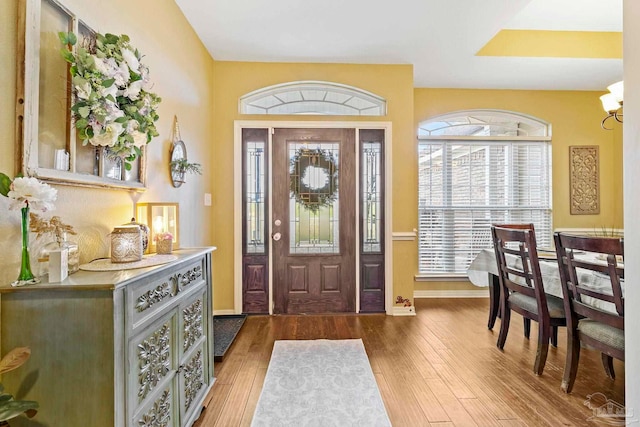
column 494, row 299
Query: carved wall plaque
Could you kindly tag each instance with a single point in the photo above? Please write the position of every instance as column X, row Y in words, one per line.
column 584, row 180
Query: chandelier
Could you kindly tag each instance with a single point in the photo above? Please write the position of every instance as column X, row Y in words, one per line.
column 612, row 103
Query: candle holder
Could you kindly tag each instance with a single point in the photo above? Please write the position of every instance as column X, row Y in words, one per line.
column 161, row 218
column 126, row 244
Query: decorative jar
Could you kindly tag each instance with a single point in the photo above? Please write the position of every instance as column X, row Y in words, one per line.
column 126, row 244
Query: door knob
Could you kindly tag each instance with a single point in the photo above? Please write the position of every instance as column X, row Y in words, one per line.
column 276, row 236
column 277, row 223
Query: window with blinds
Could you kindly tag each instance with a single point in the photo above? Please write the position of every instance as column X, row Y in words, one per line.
column 468, row 183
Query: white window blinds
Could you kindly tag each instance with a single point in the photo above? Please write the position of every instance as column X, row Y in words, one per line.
column 465, row 186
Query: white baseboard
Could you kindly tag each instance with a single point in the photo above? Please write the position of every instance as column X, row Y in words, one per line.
column 481, row 293
column 403, row 311
column 223, row 312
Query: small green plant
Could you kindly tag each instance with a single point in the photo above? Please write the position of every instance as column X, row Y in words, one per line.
column 9, row 407
column 182, row 166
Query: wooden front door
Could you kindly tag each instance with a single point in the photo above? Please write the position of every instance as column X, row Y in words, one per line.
column 313, row 220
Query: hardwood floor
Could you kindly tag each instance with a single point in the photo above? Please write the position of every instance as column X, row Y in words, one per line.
column 439, row 368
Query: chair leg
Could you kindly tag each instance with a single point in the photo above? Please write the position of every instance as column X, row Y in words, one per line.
column 543, row 347
column 504, row 325
column 607, row 362
column 554, row 336
column 527, row 327
column 571, row 363
column 494, row 299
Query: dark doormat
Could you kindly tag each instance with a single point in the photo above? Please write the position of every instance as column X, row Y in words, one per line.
column 225, row 330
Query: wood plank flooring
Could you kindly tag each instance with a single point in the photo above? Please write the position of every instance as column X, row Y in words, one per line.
column 439, row 368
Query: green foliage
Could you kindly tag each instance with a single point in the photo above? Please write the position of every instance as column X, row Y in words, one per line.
column 183, row 166
column 5, row 184
column 9, row 407
column 113, row 105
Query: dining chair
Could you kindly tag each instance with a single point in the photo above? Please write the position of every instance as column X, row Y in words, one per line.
column 494, row 286
column 595, row 316
column 522, row 289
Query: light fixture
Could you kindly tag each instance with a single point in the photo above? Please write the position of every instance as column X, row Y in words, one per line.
column 612, row 103
column 160, row 218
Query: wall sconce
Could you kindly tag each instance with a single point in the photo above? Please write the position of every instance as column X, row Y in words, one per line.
column 612, row 103
column 160, row 218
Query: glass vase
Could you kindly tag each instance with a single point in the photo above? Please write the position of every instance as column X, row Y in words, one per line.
column 25, row 277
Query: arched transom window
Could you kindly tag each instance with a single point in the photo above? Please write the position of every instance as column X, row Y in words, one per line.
column 311, row 97
column 478, row 168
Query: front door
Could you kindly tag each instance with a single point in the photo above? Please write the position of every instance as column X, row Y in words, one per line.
column 313, row 220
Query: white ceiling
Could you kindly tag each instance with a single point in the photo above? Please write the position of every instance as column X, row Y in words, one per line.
column 439, row 37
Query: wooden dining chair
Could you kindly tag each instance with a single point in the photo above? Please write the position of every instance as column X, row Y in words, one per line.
column 595, row 316
column 494, row 286
column 522, row 289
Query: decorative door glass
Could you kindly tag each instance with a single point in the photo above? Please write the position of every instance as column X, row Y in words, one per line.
column 314, row 198
column 371, row 176
column 255, row 197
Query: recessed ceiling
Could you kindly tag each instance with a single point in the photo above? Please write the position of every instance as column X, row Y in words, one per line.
column 442, row 39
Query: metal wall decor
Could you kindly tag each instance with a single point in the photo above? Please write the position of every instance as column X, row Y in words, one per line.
column 584, row 180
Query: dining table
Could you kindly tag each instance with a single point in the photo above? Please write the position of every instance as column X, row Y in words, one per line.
column 483, row 272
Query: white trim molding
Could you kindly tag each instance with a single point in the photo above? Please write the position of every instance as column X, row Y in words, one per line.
column 273, row 124
column 405, row 235
column 403, row 311
column 452, row 293
column 224, row 312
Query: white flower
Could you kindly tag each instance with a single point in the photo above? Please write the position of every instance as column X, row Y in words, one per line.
column 133, row 91
column 131, row 60
column 31, row 192
column 111, row 90
column 83, row 90
column 139, row 138
column 110, row 135
column 112, row 111
column 103, row 66
column 122, row 75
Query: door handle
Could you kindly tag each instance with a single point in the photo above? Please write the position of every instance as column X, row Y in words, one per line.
column 276, row 236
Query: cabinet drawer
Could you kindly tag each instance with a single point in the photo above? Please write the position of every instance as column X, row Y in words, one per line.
column 146, row 299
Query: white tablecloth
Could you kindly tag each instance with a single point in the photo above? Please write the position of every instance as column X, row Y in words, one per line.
column 485, row 263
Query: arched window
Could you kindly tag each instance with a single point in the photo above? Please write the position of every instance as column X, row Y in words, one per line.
column 311, row 97
column 478, row 168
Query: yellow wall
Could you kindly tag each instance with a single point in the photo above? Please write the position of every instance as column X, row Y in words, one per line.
column 392, row 82
column 575, row 117
column 182, row 72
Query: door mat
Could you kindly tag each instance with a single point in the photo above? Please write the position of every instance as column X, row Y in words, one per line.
column 225, row 330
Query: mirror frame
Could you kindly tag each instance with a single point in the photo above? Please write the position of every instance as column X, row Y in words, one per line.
column 178, row 152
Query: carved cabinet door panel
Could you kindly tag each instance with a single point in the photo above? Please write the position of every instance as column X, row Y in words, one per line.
column 192, row 373
column 152, row 371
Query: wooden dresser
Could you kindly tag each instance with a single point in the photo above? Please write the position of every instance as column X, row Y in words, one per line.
column 119, row 348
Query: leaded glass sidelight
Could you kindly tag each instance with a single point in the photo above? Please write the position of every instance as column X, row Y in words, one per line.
column 314, row 198
column 371, row 177
column 255, row 197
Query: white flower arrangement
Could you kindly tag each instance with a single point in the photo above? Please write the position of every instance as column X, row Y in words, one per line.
column 28, row 192
column 113, row 106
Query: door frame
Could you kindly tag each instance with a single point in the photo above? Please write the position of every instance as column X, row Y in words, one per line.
column 239, row 125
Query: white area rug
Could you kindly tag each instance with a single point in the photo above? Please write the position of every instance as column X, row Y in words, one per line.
column 320, row 383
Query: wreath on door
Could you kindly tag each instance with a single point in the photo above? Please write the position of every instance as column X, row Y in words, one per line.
column 314, row 196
